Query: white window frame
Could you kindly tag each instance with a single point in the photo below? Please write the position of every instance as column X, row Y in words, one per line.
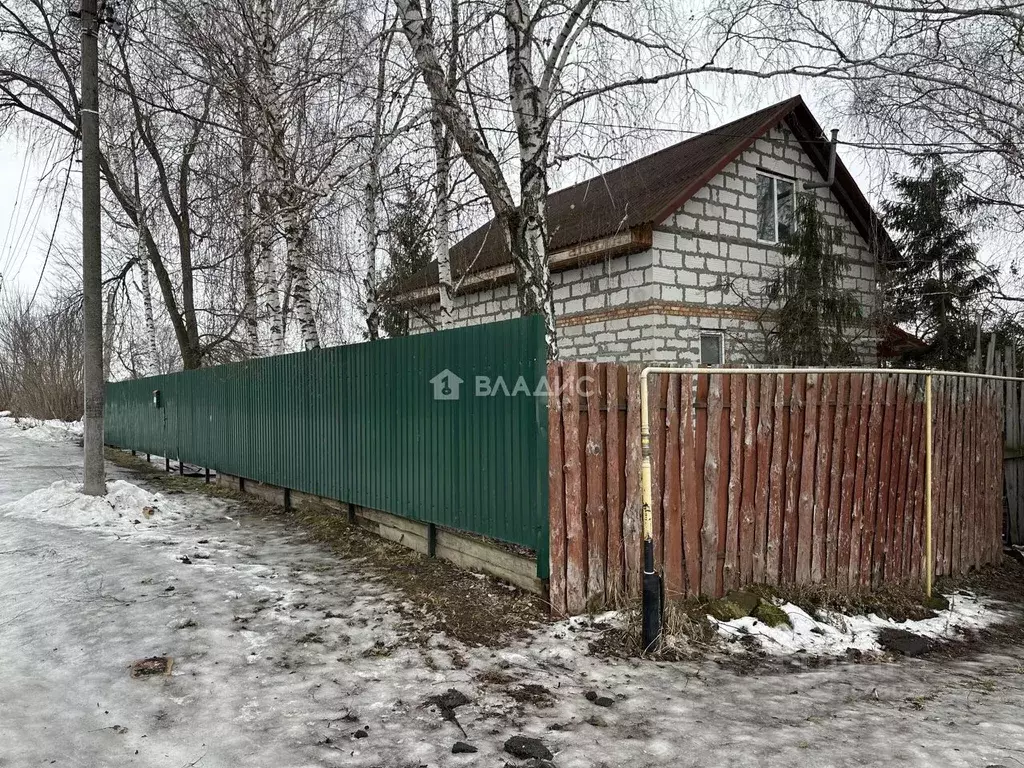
column 775, row 202
column 700, row 347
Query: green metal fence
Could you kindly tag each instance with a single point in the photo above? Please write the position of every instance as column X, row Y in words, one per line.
column 361, row 424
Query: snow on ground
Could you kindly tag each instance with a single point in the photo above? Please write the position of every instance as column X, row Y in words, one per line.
column 283, row 653
column 126, row 507
column 837, row 633
column 45, row 430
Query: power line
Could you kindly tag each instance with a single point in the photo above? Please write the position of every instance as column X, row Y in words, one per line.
column 14, row 215
column 36, row 206
column 53, row 234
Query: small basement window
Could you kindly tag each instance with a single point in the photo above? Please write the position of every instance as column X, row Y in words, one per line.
column 712, row 348
column 774, row 207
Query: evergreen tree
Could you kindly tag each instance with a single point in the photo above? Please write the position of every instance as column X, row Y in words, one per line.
column 815, row 309
column 934, row 285
column 409, row 250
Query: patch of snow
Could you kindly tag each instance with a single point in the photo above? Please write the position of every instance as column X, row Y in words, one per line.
column 45, row 430
column 838, row 633
column 126, row 507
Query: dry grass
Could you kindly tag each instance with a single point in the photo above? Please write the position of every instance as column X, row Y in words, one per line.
column 686, row 632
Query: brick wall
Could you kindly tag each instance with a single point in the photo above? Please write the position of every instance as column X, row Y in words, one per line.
column 706, row 270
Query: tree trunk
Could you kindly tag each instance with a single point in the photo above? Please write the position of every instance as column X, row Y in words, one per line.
column 152, row 364
column 268, row 303
column 297, row 235
column 442, row 151
column 371, row 224
column 527, row 232
column 250, row 314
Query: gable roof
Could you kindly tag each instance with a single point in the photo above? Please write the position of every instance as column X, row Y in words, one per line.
column 647, row 191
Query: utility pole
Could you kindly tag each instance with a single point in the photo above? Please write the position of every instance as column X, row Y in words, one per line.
column 92, row 288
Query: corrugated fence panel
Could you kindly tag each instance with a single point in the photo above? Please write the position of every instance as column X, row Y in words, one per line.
column 361, row 424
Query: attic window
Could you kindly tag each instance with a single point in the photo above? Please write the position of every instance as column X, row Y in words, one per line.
column 774, row 208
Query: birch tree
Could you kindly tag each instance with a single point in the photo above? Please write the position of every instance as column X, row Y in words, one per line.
column 559, row 59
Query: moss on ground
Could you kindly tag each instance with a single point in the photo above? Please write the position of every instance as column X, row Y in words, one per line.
column 771, row 614
column 725, row 610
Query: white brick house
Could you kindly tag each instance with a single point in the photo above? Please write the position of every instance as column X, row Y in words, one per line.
column 666, row 258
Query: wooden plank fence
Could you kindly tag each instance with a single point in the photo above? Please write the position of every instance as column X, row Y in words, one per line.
column 1005, row 364
column 767, row 478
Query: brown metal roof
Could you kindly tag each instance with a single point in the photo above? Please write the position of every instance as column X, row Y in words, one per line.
column 647, row 191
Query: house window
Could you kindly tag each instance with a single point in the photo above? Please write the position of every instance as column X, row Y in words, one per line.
column 712, row 348
column 774, row 208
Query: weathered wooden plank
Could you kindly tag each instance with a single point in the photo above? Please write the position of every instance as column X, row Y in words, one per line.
column 692, row 513
column 575, row 526
column 656, row 404
column 775, row 548
column 845, row 473
column 807, row 459
column 997, row 513
column 913, row 540
column 700, row 459
column 615, row 477
column 597, row 511
column 712, row 472
column 956, row 520
column 961, row 533
column 556, row 493
column 894, row 530
column 938, row 430
column 790, row 522
column 730, row 533
column 991, row 441
column 581, row 446
column 977, row 478
column 748, row 539
column 672, row 520
column 997, row 510
column 631, row 523
column 874, row 448
column 1015, row 521
column 724, row 457
column 914, row 402
column 942, row 477
column 967, row 491
column 837, row 553
column 883, row 512
column 951, row 457
column 987, row 439
column 824, row 530
column 854, row 497
column 998, row 477
column 763, row 448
